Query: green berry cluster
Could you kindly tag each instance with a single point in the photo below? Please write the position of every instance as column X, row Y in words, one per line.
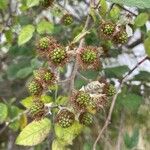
column 86, row 118
column 67, row 19
column 45, row 76
column 121, row 37
column 35, row 87
column 83, row 101
column 89, row 56
column 111, row 90
column 65, row 118
column 111, row 31
column 107, row 29
column 58, row 56
column 44, row 43
column 37, row 110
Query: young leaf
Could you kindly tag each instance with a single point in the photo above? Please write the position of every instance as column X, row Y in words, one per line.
column 34, row 133
column 31, row 3
column 3, row 112
column 28, row 101
column 45, row 27
column 58, row 145
column 25, row 34
column 104, row 7
column 68, row 134
column 141, row 19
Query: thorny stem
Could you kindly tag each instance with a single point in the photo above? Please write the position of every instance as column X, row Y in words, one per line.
column 107, row 122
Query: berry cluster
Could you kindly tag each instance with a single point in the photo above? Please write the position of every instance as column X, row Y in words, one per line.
column 37, row 110
column 111, row 31
column 67, row 19
column 84, row 103
column 50, row 49
column 89, row 58
column 65, row 118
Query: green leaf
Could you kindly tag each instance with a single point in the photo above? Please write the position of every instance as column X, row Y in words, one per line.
column 116, row 72
column 133, row 3
column 9, row 36
column 31, row 3
column 3, row 4
column 68, row 134
column 26, row 34
column 23, row 73
column 141, row 19
column 130, row 101
column 13, row 112
column 58, row 145
column 34, row 133
column 45, row 27
column 36, row 63
column 3, row 112
column 115, row 13
column 143, row 76
column 28, row 101
column 104, row 7
column 147, row 46
column 131, row 141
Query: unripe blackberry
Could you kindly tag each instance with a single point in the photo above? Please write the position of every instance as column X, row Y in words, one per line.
column 111, row 90
column 47, row 3
column 44, row 43
column 37, row 110
column 107, row 29
column 83, row 101
column 35, row 87
column 67, row 19
column 58, row 56
column 88, row 58
column 86, row 119
column 65, row 118
column 44, row 75
column 121, row 37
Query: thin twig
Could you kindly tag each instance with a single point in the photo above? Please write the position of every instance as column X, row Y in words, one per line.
column 75, row 69
column 107, row 122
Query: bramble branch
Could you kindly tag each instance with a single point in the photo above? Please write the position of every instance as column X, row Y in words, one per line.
column 107, row 122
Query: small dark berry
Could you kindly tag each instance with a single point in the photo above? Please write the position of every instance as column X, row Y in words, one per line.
column 120, row 37
column 67, row 19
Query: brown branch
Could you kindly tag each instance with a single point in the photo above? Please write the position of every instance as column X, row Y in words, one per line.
column 107, row 122
column 76, row 65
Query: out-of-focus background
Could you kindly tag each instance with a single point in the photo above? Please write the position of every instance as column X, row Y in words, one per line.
column 130, row 126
